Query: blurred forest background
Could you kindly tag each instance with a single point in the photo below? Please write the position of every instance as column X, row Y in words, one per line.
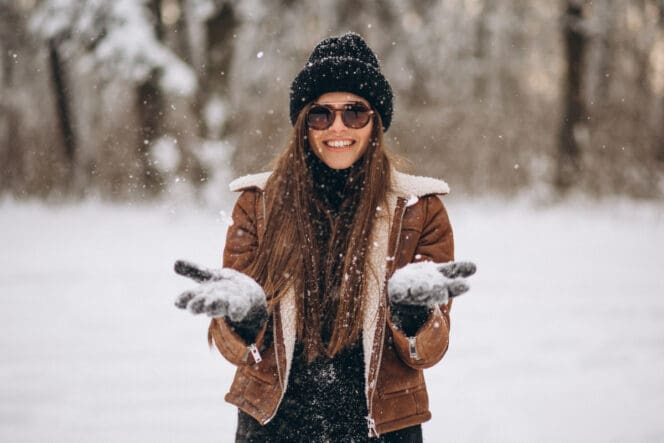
column 136, row 99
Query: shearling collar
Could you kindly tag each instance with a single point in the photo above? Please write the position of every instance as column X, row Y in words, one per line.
column 403, row 185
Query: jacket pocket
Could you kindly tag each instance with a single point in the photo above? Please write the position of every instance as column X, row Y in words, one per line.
column 396, row 378
column 387, row 394
column 259, row 390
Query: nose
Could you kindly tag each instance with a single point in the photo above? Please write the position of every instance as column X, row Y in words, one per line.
column 337, row 123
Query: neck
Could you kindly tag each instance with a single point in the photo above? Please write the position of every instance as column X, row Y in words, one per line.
column 329, row 184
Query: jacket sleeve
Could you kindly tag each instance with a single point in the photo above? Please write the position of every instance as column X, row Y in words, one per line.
column 239, row 254
column 436, row 243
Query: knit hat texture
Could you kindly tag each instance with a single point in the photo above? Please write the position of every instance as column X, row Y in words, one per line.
column 342, row 64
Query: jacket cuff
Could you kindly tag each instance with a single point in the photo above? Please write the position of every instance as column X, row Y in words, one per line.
column 428, row 346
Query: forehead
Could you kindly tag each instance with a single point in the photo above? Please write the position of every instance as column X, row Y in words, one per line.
column 340, row 97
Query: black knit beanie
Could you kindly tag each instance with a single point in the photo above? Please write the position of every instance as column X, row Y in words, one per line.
column 342, row 64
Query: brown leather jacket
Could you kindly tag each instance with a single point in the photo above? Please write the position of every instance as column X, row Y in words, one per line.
column 414, row 227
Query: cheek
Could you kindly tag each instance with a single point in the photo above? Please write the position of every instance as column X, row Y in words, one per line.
column 366, row 139
column 315, row 143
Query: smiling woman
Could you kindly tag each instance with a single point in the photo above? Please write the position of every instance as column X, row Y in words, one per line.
column 325, row 349
column 340, row 145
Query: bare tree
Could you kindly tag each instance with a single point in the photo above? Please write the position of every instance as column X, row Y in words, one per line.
column 11, row 160
column 59, row 81
column 659, row 143
column 569, row 153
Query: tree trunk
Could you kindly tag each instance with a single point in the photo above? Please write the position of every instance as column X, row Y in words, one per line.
column 11, row 159
column 512, row 44
column 568, row 159
column 607, row 53
column 182, row 43
column 150, row 103
column 150, row 109
column 219, row 45
column 659, row 148
column 480, row 51
column 60, row 89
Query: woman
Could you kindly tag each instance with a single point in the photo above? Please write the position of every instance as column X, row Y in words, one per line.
column 329, row 340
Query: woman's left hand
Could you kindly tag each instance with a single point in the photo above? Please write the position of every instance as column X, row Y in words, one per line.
column 428, row 283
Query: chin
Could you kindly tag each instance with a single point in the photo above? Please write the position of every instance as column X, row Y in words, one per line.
column 339, row 163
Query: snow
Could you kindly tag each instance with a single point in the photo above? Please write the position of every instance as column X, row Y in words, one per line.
column 216, row 113
column 419, row 284
column 560, row 338
column 132, row 48
column 126, row 45
column 166, row 154
column 231, row 293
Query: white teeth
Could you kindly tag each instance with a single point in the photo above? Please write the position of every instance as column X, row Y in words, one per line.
column 339, row 143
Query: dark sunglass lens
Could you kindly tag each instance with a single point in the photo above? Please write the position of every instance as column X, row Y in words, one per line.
column 319, row 117
column 356, row 116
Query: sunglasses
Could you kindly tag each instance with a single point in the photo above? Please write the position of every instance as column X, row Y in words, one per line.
column 354, row 115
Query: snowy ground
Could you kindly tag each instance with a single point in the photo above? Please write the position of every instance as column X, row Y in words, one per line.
column 560, row 339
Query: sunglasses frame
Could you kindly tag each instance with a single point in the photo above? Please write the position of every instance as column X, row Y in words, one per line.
column 334, row 110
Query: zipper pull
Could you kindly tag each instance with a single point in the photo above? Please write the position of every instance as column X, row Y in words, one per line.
column 412, row 348
column 372, row 427
column 253, row 350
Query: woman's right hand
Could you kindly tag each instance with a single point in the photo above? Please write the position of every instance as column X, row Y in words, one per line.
column 222, row 293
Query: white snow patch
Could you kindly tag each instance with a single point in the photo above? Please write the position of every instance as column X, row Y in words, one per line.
column 417, row 278
column 559, row 338
column 127, row 46
column 215, row 114
column 166, row 154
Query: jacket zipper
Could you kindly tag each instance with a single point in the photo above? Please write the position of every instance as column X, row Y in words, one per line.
column 372, row 427
column 281, row 377
column 274, row 335
column 412, row 348
column 253, row 350
column 373, row 432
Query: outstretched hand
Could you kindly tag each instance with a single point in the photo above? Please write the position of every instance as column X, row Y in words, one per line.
column 195, row 272
column 428, row 283
column 222, row 293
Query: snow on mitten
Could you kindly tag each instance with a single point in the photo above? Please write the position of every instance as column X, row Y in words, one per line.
column 224, row 293
column 428, row 283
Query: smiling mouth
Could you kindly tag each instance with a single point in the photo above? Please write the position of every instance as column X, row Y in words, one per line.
column 339, row 145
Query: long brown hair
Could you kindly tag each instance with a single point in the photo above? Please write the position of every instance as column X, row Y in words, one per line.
column 288, row 256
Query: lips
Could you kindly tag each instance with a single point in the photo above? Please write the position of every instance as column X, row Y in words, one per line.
column 339, row 144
